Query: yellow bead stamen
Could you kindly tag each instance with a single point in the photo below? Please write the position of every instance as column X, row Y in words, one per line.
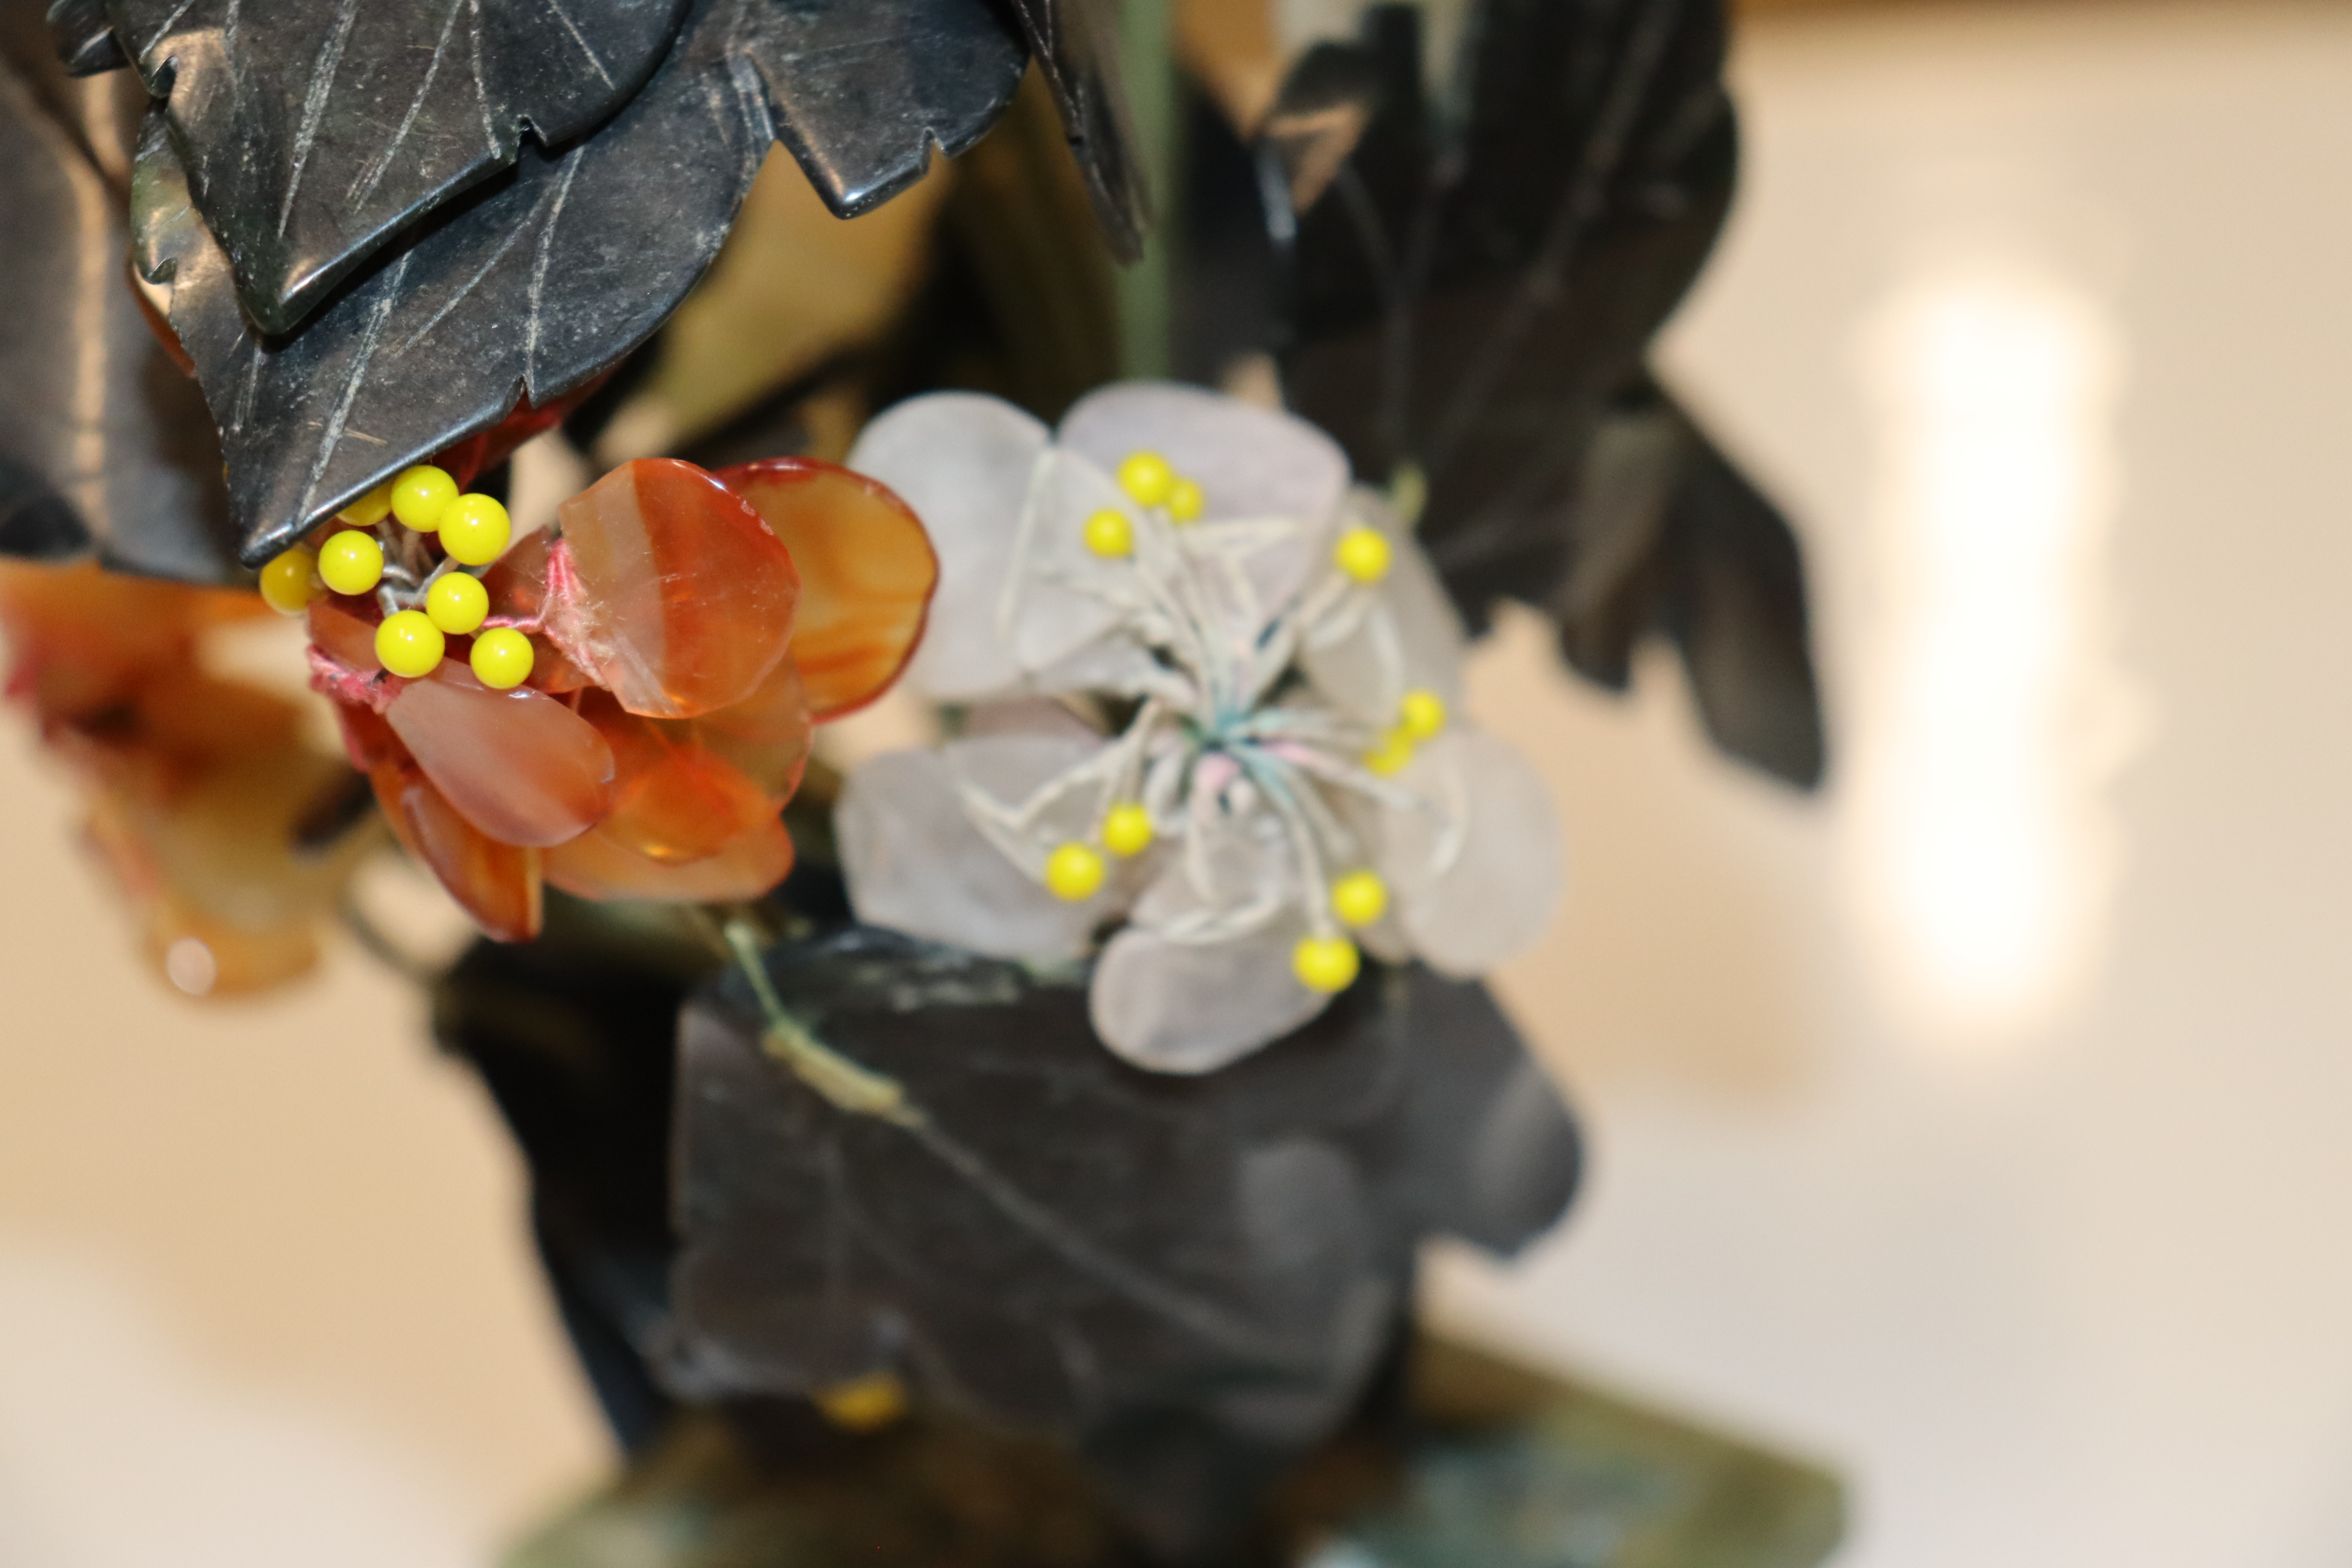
column 1074, row 872
column 369, row 509
column 351, row 562
column 1391, row 755
column 420, row 495
column 1362, row 553
column 1147, row 477
column 1127, row 829
column 502, row 659
column 1325, row 963
column 1359, row 898
column 457, row 603
column 1110, row 534
column 474, row 530
column 408, row 644
column 866, row 1404
column 287, row 583
column 1421, row 715
column 1185, row 500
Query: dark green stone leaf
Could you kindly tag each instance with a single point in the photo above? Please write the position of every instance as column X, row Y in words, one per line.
column 1466, row 293
column 540, row 279
column 105, row 447
column 1176, row 1273
column 313, row 131
column 1665, row 534
column 1076, row 46
column 84, row 38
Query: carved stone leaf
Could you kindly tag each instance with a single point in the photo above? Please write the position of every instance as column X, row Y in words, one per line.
column 1076, row 46
column 1050, row 1239
column 541, row 280
column 1470, row 284
column 105, row 447
column 83, row 37
column 1666, row 535
column 314, row 131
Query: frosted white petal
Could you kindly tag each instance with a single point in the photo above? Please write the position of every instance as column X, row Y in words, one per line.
column 1476, row 878
column 1408, row 638
column 1250, row 462
column 963, row 462
column 1061, row 596
column 915, row 862
column 1177, row 1008
column 1013, row 769
column 1231, row 875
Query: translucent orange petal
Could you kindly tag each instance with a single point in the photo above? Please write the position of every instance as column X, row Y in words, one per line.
column 766, row 735
column 519, row 765
column 672, row 800
column 80, row 639
column 866, row 574
column 668, row 590
column 497, row 884
column 594, row 866
column 517, row 582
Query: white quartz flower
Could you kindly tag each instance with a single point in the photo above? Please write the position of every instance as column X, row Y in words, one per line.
column 1205, row 695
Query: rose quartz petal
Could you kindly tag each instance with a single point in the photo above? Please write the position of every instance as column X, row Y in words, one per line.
column 668, row 590
column 497, row 884
column 767, row 734
column 594, row 866
column 672, row 801
column 518, row 765
column 866, row 574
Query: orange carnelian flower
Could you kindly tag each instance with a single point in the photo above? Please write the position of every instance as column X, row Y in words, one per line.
column 689, row 630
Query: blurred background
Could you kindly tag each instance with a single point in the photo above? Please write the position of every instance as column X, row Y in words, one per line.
column 1975, row 1128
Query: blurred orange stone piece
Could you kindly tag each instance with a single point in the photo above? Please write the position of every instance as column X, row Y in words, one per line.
column 768, row 735
column 866, row 570
column 668, row 590
column 496, row 883
column 519, row 765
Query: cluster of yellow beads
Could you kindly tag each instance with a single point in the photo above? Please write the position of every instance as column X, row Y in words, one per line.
column 474, row 529
column 1148, row 481
column 1074, row 872
column 1421, row 716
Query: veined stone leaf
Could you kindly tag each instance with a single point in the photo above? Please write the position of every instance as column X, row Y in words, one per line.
column 539, row 281
column 1172, row 1272
column 1468, row 289
column 314, row 131
column 84, row 39
column 105, row 446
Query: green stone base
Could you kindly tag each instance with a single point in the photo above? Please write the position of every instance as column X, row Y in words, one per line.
column 1505, row 1468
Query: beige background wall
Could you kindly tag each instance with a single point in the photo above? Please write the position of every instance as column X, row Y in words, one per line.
column 1977, row 1127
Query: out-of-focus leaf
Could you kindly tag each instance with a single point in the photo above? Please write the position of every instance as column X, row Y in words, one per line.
column 313, row 131
column 1665, row 535
column 83, row 37
column 1468, row 289
column 574, row 1034
column 543, row 280
column 105, row 447
column 1076, row 46
column 1192, row 1278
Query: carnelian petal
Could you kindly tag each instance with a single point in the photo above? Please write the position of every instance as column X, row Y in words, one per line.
column 497, row 884
column 866, row 570
column 367, row 738
column 766, row 735
column 593, row 866
column 517, row 582
column 672, row 801
column 669, row 589
column 519, row 765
